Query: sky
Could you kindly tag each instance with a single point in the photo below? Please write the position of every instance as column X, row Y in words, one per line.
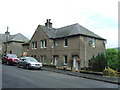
column 23, row 16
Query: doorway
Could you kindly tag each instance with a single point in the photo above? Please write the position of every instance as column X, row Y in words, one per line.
column 55, row 60
column 75, row 63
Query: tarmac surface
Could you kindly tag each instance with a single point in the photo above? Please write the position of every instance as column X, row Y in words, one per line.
column 83, row 75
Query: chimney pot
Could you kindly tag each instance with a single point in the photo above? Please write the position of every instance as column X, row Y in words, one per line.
column 48, row 23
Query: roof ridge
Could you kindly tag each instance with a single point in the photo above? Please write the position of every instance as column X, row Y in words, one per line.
column 68, row 25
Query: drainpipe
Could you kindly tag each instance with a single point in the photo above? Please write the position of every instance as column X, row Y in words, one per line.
column 85, row 51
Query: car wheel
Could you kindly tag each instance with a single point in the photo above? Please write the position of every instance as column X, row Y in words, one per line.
column 40, row 68
column 18, row 65
column 7, row 63
column 2, row 62
column 27, row 66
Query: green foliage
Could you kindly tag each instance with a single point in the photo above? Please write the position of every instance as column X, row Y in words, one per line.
column 113, row 59
column 119, row 61
column 99, row 62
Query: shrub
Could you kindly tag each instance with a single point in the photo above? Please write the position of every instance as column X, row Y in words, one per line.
column 98, row 62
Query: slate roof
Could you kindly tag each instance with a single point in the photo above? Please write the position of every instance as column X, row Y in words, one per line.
column 74, row 29
column 15, row 38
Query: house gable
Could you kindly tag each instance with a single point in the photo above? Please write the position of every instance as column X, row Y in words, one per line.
column 39, row 33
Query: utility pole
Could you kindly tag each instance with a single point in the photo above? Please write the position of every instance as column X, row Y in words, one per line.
column 7, row 38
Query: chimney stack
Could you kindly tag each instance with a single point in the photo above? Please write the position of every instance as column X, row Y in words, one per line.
column 7, row 33
column 48, row 23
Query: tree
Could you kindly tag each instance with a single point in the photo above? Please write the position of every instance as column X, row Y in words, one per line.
column 113, row 59
column 119, row 61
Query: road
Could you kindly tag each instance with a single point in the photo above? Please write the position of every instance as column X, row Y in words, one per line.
column 13, row 77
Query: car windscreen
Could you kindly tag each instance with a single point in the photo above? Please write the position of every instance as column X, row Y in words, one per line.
column 31, row 59
column 12, row 56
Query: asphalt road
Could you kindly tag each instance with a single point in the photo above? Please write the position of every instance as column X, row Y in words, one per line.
column 13, row 77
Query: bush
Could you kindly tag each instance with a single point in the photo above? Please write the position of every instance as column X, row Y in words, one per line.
column 110, row 72
column 99, row 62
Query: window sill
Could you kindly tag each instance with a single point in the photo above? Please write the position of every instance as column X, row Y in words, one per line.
column 65, row 64
column 65, row 46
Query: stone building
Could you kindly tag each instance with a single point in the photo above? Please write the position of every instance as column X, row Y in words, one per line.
column 70, row 46
column 12, row 43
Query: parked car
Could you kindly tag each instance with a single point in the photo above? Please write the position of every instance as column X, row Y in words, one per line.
column 29, row 62
column 10, row 59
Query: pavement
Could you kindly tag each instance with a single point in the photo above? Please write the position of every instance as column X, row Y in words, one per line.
column 83, row 75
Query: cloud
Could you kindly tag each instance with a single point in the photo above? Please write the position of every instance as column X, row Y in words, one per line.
column 24, row 15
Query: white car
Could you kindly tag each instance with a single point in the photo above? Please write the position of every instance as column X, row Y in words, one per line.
column 29, row 62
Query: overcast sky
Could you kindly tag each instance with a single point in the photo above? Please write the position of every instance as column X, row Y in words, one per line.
column 23, row 16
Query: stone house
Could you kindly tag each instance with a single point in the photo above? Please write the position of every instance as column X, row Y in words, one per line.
column 12, row 43
column 71, row 46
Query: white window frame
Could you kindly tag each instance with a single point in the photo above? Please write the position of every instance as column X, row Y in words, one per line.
column 55, row 42
column 65, row 42
column 32, row 45
column 52, row 62
column 45, row 43
column 64, row 57
column 93, row 44
column 35, row 45
column 42, row 59
column 42, row 43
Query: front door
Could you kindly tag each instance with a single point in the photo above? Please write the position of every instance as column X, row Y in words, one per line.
column 55, row 60
column 75, row 63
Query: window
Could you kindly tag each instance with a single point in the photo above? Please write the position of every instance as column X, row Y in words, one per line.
column 43, row 59
column 93, row 44
column 65, row 60
column 65, row 42
column 55, row 42
column 45, row 43
column 34, row 45
column 42, row 43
